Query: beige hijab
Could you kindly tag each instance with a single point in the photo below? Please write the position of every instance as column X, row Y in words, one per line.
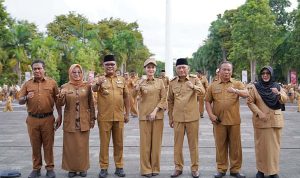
column 77, row 83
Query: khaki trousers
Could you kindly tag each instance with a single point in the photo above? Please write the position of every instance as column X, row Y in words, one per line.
column 228, row 139
column 106, row 129
column 201, row 105
column 191, row 129
column 41, row 133
column 151, row 133
column 133, row 105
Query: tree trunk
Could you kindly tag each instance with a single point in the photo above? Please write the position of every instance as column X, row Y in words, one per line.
column 19, row 73
column 253, row 70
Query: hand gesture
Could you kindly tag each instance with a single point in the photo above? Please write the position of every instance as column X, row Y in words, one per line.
column 231, row 90
column 214, row 119
column 101, row 80
column 30, row 95
column 57, row 123
column 275, row 90
column 171, row 123
column 126, row 118
column 262, row 116
column 189, row 84
column 138, row 85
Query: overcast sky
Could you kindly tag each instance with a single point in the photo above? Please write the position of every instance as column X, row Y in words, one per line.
column 190, row 19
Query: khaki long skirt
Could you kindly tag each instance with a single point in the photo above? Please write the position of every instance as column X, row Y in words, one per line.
column 75, row 157
column 267, row 149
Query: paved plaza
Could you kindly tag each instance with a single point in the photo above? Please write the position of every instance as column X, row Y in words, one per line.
column 15, row 150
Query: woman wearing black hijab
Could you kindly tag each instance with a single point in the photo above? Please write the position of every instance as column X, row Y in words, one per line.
column 265, row 100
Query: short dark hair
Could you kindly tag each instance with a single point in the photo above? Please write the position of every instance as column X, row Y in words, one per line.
column 38, row 61
column 225, row 62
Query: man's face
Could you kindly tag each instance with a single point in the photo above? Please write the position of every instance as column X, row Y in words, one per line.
column 182, row 70
column 110, row 67
column 163, row 74
column 225, row 71
column 38, row 71
column 132, row 74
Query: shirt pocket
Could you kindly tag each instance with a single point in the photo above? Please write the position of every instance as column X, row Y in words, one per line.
column 217, row 94
column 120, row 88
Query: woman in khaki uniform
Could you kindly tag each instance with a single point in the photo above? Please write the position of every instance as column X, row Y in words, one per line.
column 79, row 117
column 152, row 103
column 265, row 100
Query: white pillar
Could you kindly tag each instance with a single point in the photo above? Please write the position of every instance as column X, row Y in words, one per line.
column 168, row 56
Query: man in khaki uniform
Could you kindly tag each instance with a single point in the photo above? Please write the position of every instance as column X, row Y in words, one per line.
column 223, row 108
column 40, row 94
column 133, row 79
column 164, row 78
column 113, row 96
column 184, row 115
column 204, row 82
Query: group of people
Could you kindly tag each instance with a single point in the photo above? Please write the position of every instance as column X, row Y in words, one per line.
column 8, row 95
column 182, row 99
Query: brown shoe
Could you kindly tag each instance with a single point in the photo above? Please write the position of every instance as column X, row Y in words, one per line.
column 176, row 173
column 195, row 174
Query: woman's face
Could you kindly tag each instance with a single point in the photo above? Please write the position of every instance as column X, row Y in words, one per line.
column 150, row 69
column 76, row 73
column 266, row 75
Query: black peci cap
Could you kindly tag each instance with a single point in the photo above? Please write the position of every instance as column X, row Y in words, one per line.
column 109, row 57
column 181, row 61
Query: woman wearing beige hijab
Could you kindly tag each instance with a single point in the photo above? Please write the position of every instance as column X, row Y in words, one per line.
column 79, row 118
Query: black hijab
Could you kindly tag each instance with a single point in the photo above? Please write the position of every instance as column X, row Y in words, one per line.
column 264, row 89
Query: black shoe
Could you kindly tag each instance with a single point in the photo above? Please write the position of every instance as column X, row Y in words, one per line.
column 120, row 172
column 72, row 174
column 195, row 174
column 219, row 175
column 176, row 173
column 155, row 174
column 103, row 173
column 147, row 175
column 83, row 174
column 274, row 176
column 260, row 174
column 50, row 174
column 35, row 173
column 237, row 175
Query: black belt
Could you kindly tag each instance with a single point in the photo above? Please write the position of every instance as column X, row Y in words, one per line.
column 41, row 115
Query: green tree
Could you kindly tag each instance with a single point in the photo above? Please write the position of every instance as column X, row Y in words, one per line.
column 253, row 34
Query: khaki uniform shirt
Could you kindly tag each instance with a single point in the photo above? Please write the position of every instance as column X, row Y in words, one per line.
column 166, row 81
column 226, row 106
column 204, row 82
column 257, row 105
column 85, row 111
column 132, row 82
column 111, row 95
column 44, row 95
column 152, row 94
column 182, row 100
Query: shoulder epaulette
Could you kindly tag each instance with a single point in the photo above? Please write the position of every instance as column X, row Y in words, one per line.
column 173, row 78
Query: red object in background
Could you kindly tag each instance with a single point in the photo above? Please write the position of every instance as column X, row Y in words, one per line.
column 293, row 77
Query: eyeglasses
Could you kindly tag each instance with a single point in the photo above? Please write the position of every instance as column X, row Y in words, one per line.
column 265, row 73
column 110, row 64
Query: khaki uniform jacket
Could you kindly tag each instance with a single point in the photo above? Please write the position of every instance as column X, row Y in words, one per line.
column 166, row 81
column 152, row 94
column 257, row 105
column 44, row 95
column 111, row 95
column 86, row 107
column 226, row 105
column 204, row 82
column 182, row 100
